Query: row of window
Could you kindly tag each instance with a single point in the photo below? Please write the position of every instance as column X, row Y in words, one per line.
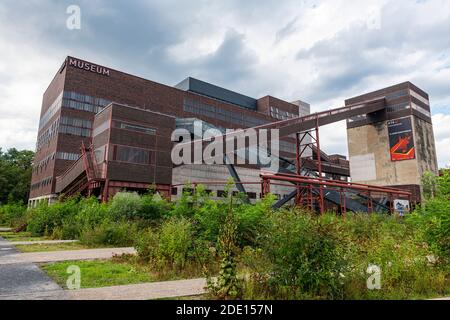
column 421, row 110
column 132, row 155
column 281, row 114
column 81, row 106
column 398, row 107
column 41, row 184
column 419, row 97
column 86, row 99
column 56, row 105
column 48, row 135
column 43, row 163
column 73, row 100
column 396, row 95
column 67, row 156
column 357, row 118
column 75, row 122
column 237, row 118
column 76, row 131
column 133, row 127
column 66, row 125
column 222, row 193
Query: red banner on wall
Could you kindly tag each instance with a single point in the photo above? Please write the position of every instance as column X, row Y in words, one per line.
column 401, row 139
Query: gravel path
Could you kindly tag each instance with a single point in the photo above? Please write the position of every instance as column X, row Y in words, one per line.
column 68, row 255
column 7, row 244
column 21, row 279
column 145, row 291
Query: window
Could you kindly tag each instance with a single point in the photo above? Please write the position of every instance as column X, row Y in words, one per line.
column 174, row 191
column 221, row 193
column 132, row 155
column 357, row 118
column 251, row 195
column 51, row 111
column 79, row 101
column 133, row 127
column 101, row 128
column 99, row 154
column 188, row 191
column 419, row 97
column 421, row 110
column 48, row 135
column 237, row 118
column 398, row 107
column 76, row 122
column 75, row 131
column 67, row 156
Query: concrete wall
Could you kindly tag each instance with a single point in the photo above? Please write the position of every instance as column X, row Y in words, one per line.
column 425, row 146
column 370, row 160
column 195, row 173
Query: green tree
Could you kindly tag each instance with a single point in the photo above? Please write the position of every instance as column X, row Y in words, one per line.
column 15, row 175
column 429, row 184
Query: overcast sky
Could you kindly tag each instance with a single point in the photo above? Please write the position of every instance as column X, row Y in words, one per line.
column 321, row 52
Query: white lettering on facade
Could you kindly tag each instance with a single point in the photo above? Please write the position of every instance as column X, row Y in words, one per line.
column 88, row 67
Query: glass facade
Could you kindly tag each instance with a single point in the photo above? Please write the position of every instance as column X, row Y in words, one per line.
column 213, row 112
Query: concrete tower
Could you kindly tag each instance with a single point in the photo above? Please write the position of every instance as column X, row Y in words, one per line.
column 395, row 146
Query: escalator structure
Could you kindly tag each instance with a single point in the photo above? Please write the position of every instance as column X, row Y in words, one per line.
column 353, row 201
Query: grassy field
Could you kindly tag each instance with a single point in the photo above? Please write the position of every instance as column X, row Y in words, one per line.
column 100, row 273
column 21, row 236
column 51, row 247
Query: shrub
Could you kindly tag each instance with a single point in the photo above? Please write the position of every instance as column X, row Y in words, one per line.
column 125, row 206
column 92, row 213
column 154, row 207
column 168, row 247
column 175, row 241
column 305, row 256
column 12, row 214
column 227, row 285
column 44, row 218
column 147, row 245
column 118, row 234
column 432, row 219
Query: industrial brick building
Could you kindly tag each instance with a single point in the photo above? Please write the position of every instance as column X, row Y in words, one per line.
column 102, row 131
column 81, row 89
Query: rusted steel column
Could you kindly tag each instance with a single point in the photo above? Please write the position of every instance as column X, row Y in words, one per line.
column 369, row 203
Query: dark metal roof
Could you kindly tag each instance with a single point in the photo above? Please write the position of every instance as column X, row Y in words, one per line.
column 216, row 92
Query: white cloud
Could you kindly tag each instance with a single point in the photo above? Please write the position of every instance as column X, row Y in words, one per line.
column 318, row 51
column 441, row 124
